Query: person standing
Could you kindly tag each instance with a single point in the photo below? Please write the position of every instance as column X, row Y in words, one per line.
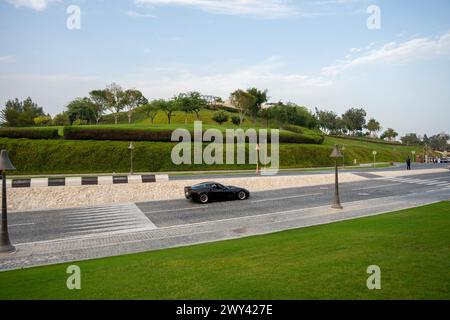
column 408, row 164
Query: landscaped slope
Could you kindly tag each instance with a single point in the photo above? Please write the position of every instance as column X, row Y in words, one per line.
column 73, row 156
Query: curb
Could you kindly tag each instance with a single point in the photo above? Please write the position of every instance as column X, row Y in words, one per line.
column 86, row 181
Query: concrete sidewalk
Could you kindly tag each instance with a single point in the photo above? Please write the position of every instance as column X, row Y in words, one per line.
column 147, row 239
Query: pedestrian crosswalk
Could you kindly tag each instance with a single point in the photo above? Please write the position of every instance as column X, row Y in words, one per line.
column 104, row 219
column 437, row 182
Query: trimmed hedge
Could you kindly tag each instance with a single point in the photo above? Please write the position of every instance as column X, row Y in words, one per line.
column 129, row 134
column 296, row 129
column 119, row 134
column 366, row 139
column 291, row 137
column 29, row 133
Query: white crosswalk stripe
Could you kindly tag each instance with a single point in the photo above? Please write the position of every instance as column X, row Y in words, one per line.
column 437, row 182
column 105, row 219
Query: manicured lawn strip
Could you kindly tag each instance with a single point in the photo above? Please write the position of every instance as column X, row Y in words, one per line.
column 412, row 247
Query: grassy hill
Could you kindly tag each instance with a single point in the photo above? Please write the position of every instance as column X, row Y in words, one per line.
column 88, row 149
column 73, row 156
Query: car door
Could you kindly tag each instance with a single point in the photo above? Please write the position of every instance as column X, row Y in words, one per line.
column 218, row 192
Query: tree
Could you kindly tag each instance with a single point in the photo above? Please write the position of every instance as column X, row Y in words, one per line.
column 100, row 101
column 61, row 119
column 411, row 139
column 151, row 110
column 266, row 115
column 115, row 97
column 131, row 99
column 243, row 102
column 190, row 102
column 197, row 103
column 328, row 120
column 373, row 126
column 183, row 104
column 20, row 113
column 260, row 98
column 220, row 117
column 81, row 109
column 440, row 142
column 389, row 134
column 42, row 121
column 354, row 119
column 169, row 108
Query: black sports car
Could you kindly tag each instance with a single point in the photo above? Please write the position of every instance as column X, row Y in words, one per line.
column 212, row 191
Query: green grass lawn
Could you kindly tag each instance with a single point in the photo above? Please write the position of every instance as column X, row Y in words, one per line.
column 412, row 248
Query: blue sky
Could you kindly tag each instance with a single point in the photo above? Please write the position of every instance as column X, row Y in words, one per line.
column 315, row 53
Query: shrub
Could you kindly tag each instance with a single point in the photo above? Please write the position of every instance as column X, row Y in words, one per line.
column 236, row 120
column 29, row 133
column 42, row 121
column 220, row 117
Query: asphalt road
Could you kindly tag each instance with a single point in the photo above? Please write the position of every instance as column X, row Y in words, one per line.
column 55, row 224
column 398, row 167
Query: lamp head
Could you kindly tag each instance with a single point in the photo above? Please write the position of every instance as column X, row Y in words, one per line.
column 5, row 162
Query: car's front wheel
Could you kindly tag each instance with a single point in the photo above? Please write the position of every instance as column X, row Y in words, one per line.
column 242, row 195
column 203, row 198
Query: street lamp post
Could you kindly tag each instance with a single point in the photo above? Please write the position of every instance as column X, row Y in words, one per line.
column 374, row 159
column 414, row 155
column 5, row 243
column 131, row 148
column 343, row 156
column 336, row 154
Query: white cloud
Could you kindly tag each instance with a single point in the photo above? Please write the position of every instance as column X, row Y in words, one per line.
column 53, row 92
column 396, row 53
column 166, row 82
column 261, row 8
column 38, row 5
column 136, row 14
column 7, row 59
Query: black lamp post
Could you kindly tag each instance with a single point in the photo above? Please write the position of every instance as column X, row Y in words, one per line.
column 336, row 154
column 5, row 164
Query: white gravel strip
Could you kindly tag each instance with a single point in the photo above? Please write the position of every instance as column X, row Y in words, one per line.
column 81, row 196
column 37, row 198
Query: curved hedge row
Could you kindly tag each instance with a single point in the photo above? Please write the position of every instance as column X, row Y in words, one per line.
column 366, row 139
column 129, row 134
column 119, row 134
column 29, row 133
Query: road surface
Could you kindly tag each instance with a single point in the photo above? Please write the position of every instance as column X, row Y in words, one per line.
column 29, row 227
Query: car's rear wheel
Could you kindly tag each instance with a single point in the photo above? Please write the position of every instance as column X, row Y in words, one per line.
column 242, row 195
column 203, row 198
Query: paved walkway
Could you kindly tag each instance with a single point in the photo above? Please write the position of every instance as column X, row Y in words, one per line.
column 148, row 238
